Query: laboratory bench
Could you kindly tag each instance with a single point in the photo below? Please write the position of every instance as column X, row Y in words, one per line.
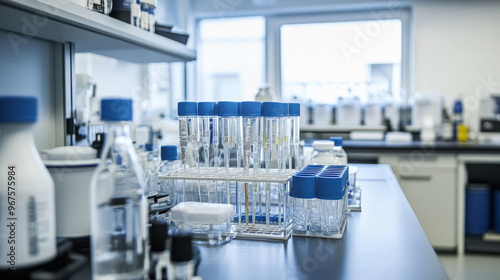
column 382, row 241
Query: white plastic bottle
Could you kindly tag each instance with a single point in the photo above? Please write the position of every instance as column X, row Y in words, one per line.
column 118, row 206
column 27, row 206
column 338, row 151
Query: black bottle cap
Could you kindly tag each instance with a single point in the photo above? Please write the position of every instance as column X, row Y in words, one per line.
column 158, row 235
column 182, row 247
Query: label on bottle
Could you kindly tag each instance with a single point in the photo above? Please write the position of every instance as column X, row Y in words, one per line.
column 27, row 215
column 183, row 139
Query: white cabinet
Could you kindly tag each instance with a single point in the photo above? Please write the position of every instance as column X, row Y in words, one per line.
column 428, row 181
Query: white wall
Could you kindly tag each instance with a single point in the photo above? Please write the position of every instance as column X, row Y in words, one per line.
column 457, row 47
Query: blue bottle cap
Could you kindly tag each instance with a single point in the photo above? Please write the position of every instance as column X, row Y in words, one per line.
column 207, row 109
column 187, row 108
column 303, row 186
column 337, row 140
column 457, row 107
column 148, row 147
column 251, row 108
column 116, row 109
column 294, row 109
column 228, row 108
column 284, row 109
column 271, row 109
column 168, row 152
column 18, row 109
column 240, row 110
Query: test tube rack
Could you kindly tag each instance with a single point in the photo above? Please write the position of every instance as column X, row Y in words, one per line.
column 259, row 198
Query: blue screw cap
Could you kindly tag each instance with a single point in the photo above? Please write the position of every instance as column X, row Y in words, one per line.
column 294, row 109
column 337, row 140
column 168, row 152
column 251, row 109
column 271, row 109
column 116, row 109
column 187, row 108
column 207, row 109
column 228, row 108
column 18, row 109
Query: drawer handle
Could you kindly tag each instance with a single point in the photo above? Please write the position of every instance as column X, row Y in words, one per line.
column 415, row 177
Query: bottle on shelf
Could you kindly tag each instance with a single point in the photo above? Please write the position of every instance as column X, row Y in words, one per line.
column 119, row 207
column 28, row 230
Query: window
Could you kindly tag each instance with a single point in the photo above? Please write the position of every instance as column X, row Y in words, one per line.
column 325, row 61
column 231, row 55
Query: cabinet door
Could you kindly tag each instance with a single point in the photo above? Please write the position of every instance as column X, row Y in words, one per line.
column 432, row 198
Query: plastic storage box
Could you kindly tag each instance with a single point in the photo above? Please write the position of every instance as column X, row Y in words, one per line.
column 209, row 222
column 319, row 201
column 260, row 201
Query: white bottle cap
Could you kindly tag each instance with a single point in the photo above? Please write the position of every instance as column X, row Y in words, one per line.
column 323, row 145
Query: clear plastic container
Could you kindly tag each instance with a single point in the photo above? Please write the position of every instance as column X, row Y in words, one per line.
column 294, row 112
column 319, row 201
column 188, row 132
column 210, row 223
column 119, row 208
column 169, row 163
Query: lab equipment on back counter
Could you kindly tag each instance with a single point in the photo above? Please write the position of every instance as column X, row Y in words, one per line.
column 27, row 208
column 427, row 115
column 348, row 111
column 118, row 202
column 490, row 118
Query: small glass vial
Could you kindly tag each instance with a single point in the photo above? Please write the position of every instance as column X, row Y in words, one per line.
column 119, row 207
column 27, row 207
column 181, row 257
column 338, row 151
column 323, row 153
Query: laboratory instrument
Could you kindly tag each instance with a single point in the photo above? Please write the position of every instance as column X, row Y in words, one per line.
column 118, row 202
column 27, row 208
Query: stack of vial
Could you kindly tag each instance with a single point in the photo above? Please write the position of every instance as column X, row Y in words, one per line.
column 240, row 153
column 319, row 201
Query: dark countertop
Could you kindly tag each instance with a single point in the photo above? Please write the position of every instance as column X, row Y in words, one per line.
column 384, row 241
column 439, row 146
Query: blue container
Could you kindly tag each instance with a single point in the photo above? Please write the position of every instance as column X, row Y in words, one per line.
column 477, row 209
column 496, row 209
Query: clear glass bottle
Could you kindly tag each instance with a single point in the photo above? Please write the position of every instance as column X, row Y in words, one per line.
column 118, row 203
column 27, row 207
column 323, row 153
column 338, row 151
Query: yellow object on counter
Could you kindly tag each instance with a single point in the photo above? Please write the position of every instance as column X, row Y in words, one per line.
column 462, row 133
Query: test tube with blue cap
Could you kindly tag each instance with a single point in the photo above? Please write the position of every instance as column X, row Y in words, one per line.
column 294, row 115
column 271, row 113
column 284, row 136
column 188, row 129
column 206, row 116
column 227, row 110
column 252, row 134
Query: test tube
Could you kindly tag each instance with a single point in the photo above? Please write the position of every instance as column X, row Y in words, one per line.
column 238, row 136
column 227, row 111
column 252, row 122
column 271, row 113
column 188, row 129
column 285, row 136
column 294, row 115
column 206, row 116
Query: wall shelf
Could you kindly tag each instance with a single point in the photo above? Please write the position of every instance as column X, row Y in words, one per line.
column 64, row 21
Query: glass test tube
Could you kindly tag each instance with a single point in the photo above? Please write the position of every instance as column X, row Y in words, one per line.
column 206, row 116
column 285, row 137
column 294, row 116
column 251, row 112
column 188, row 136
column 271, row 113
column 227, row 110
